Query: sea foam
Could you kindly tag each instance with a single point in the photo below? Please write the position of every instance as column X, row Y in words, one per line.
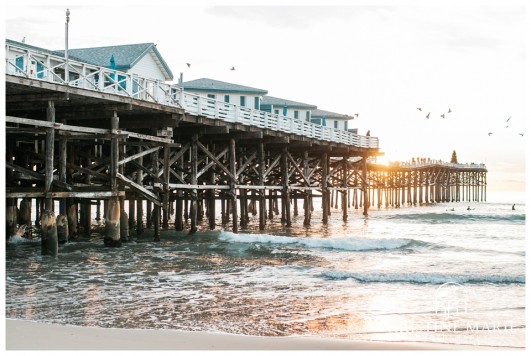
column 420, row 278
column 322, row 243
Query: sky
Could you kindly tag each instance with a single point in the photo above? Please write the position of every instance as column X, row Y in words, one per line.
column 381, row 60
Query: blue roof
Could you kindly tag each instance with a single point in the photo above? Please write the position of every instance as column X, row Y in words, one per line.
column 271, row 100
column 125, row 56
column 330, row 115
column 211, row 85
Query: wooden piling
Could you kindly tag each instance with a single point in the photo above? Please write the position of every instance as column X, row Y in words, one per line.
column 261, row 183
column 324, row 187
column 62, row 228
column 286, row 202
column 124, row 225
column 194, row 197
column 112, row 224
column 49, row 239
column 72, row 218
column 233, row 196
column 11, row 217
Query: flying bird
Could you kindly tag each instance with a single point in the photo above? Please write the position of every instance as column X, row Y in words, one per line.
column 449, row 111
column 356, row 115
column 188, row 64
column 442, row 116
column 233, row 68
column 428, row 116
column 508, row 119
column 521, row 134
column 419, row 109
column 490, row 133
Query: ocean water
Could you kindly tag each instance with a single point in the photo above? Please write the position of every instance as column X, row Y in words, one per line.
column 438, row 273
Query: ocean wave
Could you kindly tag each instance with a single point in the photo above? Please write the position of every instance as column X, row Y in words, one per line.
column 451, row 216
column 421, row 278
column 324, row 243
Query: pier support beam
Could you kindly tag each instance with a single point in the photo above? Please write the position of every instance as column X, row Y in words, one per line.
column 194, row 196
column 112, row 224
column 307, row 193
column 324, row 187
column 49, row 240
column 365, row 186
column 261, row 183
column 345, row 188
column 233, row 196
column 286, row 202
column 49, row 151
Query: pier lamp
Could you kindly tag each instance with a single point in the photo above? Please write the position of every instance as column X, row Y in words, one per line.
column 67, row 72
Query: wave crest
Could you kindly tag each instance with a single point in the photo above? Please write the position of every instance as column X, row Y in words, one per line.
column 421, row 278
column 324, row 243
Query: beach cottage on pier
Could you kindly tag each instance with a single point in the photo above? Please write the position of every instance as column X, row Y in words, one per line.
column 230, row 93
column 331, row 119
column 142, row 59
column 288, row 108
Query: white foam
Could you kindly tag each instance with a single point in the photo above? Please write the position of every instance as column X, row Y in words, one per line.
column 423, row 278
column 325, row 243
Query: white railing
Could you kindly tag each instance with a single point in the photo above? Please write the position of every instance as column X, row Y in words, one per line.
column 438, row 163
column 42, row 65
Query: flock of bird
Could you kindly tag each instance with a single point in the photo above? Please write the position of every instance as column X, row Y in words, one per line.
column 443, row 115
column 507, row 125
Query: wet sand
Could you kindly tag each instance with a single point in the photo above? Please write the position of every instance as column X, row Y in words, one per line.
column 29, row 335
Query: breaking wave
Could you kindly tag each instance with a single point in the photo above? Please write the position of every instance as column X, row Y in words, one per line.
column 324, row 243
column 421, row 278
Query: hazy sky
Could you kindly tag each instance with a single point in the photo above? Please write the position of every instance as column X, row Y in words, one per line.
column 380, row 59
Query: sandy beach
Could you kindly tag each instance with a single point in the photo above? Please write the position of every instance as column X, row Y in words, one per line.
column 29, row 335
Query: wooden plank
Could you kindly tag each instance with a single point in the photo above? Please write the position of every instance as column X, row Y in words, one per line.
column 232, row 176
column 63, row 127
column 210, row 164
column 246, row 163
column 139, row 189
column 60, row 195
column 138, row 155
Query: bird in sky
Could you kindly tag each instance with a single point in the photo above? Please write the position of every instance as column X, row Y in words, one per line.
column 490, row 133
column 521, row 134
column 233, row 68
column 428, row 116
column 442, row 116
column 508, row 119
column 449, row 111
column 188, row 64
column 419, row 109
column 356, row 115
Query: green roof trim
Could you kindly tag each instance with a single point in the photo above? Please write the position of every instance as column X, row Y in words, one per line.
column 330, row 115
column 211, row 85
column 279, row 102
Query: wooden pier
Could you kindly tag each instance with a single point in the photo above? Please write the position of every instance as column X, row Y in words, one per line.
column 151, row 151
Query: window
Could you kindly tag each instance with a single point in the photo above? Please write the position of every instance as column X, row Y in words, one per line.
column 242, row 100
column 346, row 125
column 227, row 98
column 296, row 114
column 336, row 124
column 277, row 112
column 211, row 96
column 307, row 116
column 19, row 63
column 257, row 103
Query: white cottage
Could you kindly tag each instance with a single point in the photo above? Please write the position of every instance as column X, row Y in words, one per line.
column 288, row 108
column 331, row 119
column 142, row 59
column 227, row 92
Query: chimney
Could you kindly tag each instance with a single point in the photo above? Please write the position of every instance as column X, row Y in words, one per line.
column 181, row 78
